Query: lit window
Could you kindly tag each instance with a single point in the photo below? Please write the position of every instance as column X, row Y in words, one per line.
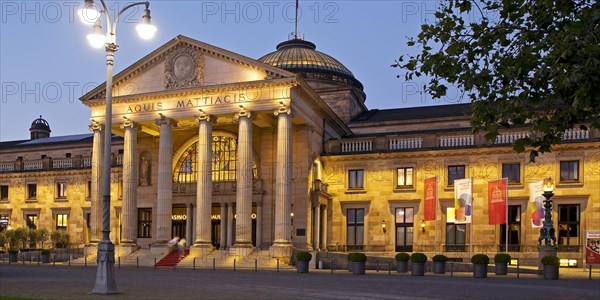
column 569, row 170
column 3, row 192
column 144, row 222
column 568, row 226
column 356, row 179
column 31, row 221
column 405, row 177
column 355, row 224
column 62, row 221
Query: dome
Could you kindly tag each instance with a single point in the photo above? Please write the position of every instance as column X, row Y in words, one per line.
column 300, row 56
column 39, row 128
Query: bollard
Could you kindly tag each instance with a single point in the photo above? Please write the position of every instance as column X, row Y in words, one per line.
column 54, row 261
column 69, row 260
column 590, row 278
column 38, row 260
column 377, row 266
column 518, row 270
column 85, row 261
column 234, row 264
column 452, row 269
column 155, row 263
column 119, row 260
column 137, row 262
column 214, row 264
column 255, row 265
column 278, row 265
column 389, row 268
column 333, row 266
column 194, row 264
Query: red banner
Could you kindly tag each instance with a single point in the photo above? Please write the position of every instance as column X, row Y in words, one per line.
column 592, row 246
column 430, row 198
column 497, row 200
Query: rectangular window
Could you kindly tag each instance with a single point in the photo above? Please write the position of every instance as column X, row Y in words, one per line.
column 4, row 192
column 568, row 227
column 454, row 173
column 4, row 220
column 355, row 223
column 512, row 172
column 61, row 190
column 144, row 222
column 88, row 190
column 404, row 229
column 62, row 221
column 32, row 221
column 355, row 179
column 31, row 191
column 569, row 170
column 405, row 177
column 514, row 230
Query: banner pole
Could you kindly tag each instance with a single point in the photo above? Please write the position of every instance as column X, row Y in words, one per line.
column 436, row 213
column 506, row 212
column 472, row 220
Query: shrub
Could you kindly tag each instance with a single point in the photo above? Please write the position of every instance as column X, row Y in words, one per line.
column 303, row 256
column 480, row 259
column 3, row 240
column 439, row 258
column 12, row 238
column 43, row 235
column 402, row 256
column 46, row 251
column 32, row 235
column 418, row 258
column 357, row 257
column 501, row 258
column 13, row 251
column 21, row 235
column 550, row 261
column 60, row 238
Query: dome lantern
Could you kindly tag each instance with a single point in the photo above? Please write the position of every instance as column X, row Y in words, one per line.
column 39, row 129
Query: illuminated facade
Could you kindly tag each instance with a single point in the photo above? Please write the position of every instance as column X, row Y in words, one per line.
column 280, row 153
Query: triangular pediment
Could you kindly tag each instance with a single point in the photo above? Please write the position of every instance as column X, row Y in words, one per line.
column 183, row 64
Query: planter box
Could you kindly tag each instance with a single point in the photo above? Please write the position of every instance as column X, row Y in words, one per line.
column 45, row 258
column 302, row 266
column 480, row 271
column 501, row 268
column 350, row 266
column 13, row 257
column 358, row 267
column 402, row 266
column 551, row 272
column 439, row 267
column 418, row 269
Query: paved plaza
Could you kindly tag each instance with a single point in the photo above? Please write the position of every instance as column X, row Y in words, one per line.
column 62, row 282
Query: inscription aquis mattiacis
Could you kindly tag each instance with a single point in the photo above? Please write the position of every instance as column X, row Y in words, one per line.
column 194, row 102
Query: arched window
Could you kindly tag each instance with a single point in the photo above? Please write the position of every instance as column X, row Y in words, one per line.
column 224, row 161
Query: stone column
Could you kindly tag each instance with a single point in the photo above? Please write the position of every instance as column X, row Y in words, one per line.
column 130, row 180
column 189, row 223
column 224, row 228
column 258, row 225
column 243, row 199
column 324, row 226
column 282, row 245
column 96, row 188
column 317, row 227
column 229, row 225
column 164, row 205
column 203, row 243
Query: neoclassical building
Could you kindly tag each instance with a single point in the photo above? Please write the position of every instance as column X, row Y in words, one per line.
column 281, row 152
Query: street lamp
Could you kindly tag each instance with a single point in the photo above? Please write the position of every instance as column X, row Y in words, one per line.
column 547, row 233
column 105, row 275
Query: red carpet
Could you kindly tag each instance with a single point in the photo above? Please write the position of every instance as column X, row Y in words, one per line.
column 172, row 259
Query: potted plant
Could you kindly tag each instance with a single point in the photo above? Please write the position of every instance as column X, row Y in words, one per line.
column 358, row 263
column 439, row 263
column 13, row 255
column 501, row 260
column 402, row 262
column 551, row 267
column 45, row 256
column 418, row 261
column 302, row 260
column 480, row 263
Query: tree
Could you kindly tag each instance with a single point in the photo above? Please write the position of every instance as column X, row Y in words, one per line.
column 532, row 63
column 43, row 236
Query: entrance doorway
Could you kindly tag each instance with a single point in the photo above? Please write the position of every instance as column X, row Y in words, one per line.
column 178, row 220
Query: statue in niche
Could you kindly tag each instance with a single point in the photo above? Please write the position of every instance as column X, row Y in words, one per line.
column 145, row 170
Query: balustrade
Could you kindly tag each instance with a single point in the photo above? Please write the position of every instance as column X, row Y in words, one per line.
column 405, row 143
column 357, row 146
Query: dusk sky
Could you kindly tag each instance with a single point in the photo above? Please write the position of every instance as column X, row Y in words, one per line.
column 47, row 63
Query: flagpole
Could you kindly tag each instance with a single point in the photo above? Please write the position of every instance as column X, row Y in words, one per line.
column 436, row 213
column 472, row 221
column 296, row 31
column 506, row 212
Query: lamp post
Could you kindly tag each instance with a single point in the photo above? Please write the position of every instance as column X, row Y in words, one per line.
column 384, row 235
column 547, row 233
column 105, row 275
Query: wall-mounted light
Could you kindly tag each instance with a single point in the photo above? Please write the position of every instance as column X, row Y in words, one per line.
column 383, row 226
column 423, row 226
